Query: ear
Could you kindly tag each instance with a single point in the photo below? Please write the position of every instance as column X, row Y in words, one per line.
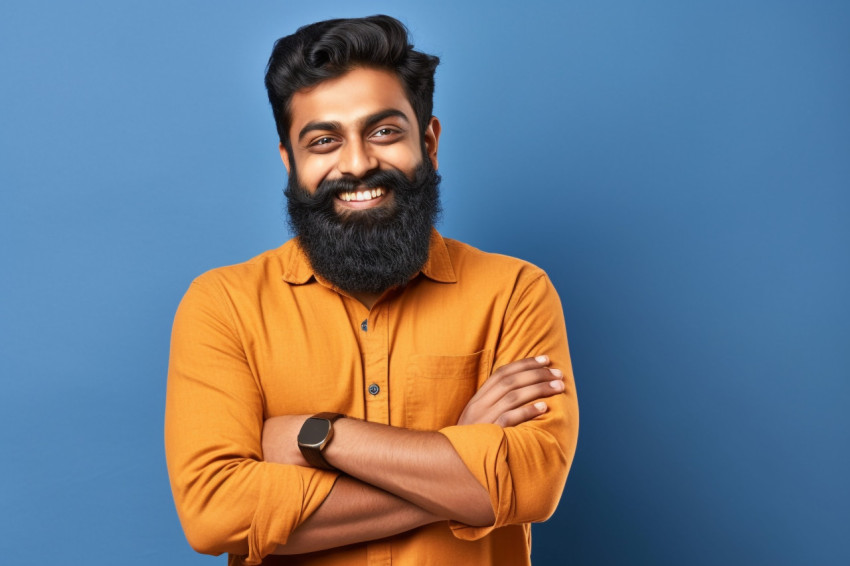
column 284, row 156
column 432, row 140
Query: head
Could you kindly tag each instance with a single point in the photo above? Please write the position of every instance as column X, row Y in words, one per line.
column 352, row 101
column 329, row 49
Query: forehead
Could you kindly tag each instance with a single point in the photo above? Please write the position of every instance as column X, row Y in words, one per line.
column 349, row 99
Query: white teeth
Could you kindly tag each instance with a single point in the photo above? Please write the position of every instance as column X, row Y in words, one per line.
column 361, row 195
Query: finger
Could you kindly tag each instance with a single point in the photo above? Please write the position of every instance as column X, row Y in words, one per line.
column 519, row 397
column 507, row 384
column 521, row 365
column 482, row 407
column 509, row 392
column 489, row 408
column 506, row 376
column 521, row 414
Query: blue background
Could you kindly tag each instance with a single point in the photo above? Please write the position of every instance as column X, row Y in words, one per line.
column 681, row 169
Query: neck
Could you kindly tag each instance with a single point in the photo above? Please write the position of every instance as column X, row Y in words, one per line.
column 368, row 299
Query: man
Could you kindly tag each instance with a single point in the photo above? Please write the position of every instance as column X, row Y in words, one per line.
column 334, row 401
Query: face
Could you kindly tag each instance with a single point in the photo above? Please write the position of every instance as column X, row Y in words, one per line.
column 352, row 127
column 362, row 198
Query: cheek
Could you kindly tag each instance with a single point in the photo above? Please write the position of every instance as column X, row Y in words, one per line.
column 404, row 158
column 313, row 171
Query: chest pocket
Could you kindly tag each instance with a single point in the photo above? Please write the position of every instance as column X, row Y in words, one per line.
column 438, row 388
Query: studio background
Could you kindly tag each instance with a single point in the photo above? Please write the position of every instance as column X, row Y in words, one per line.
column 681, row 170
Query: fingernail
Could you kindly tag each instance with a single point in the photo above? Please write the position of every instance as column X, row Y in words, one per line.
column 556, row 372
column 542, row 359
column 540, row 406
column 556, row 385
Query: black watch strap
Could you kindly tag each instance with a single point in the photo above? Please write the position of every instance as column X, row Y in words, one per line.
column 316, row 433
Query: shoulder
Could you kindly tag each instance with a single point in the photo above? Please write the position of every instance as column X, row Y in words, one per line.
column 507, row 288
column 269, row 267
column 470, row 262
column 234, row 291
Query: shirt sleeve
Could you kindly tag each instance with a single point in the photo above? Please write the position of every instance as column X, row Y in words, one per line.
column 228, row 499
column 524, row 468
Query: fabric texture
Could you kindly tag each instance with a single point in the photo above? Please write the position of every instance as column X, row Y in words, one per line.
column 268, row 337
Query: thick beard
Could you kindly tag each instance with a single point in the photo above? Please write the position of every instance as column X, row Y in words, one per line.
column 371, row 250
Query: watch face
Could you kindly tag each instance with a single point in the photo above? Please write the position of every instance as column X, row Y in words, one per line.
column 314, row 432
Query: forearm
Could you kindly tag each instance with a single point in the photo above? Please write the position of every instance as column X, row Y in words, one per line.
column 419, row 466
column 355, row 512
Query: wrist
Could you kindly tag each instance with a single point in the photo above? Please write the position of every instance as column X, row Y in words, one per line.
column 315, row 436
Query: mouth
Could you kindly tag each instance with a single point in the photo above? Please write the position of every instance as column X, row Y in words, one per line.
column 362, row 198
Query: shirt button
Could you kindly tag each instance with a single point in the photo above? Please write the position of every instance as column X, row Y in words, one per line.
column 364, row 326
column 374, row 389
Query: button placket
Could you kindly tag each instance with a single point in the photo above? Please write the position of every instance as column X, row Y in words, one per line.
column 375, row 361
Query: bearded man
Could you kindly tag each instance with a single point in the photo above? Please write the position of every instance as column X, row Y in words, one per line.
column 370, row 392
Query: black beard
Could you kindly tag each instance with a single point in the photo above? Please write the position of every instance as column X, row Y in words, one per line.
column 371, row 250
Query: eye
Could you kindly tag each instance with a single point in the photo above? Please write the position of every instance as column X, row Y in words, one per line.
column 323, row 144
column 386, row 134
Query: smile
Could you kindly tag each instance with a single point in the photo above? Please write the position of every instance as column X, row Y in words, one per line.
column 361, row 196
column 362, row 199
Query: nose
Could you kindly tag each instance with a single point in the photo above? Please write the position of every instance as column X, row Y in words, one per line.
column 355, row 159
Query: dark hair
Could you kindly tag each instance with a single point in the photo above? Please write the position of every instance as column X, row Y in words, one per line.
column 329, row 49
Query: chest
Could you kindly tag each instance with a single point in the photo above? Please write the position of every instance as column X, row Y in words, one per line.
column 413, row 360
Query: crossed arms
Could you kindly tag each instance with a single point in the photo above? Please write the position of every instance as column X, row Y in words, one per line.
column 412, row 477
column 241, row 487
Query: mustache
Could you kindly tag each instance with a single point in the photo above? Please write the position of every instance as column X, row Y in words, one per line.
column 326, row 192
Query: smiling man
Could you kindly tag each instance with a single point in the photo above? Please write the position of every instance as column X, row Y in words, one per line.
column 370, row 392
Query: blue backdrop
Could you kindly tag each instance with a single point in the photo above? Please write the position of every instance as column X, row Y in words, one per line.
column 681, row 169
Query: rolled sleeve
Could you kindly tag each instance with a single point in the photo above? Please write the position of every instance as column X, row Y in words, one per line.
column 227, row 498
column 524, row 468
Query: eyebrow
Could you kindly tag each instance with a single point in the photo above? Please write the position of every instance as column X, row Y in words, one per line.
column 368, row 121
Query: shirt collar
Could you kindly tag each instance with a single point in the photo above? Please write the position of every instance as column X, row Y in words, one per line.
column 297, row 269
column 439, row 264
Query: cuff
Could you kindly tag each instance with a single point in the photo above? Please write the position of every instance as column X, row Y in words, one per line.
column 483, row 450
column 272, row 526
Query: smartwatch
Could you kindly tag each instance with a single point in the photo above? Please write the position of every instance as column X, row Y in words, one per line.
column 316, row 433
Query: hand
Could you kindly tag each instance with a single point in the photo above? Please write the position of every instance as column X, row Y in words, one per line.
column 280, row 440
column 505, row 398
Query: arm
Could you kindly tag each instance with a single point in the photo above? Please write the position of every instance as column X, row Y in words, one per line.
column 524, row 467
column 356, row 511
column 420, row 467
column 228, row 499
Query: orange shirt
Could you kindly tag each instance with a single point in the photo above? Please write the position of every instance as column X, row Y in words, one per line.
column 268, row 337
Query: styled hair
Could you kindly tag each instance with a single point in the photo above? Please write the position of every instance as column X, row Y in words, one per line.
column 329, row 49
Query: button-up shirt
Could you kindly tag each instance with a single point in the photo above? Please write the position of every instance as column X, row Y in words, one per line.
column 270, row 337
